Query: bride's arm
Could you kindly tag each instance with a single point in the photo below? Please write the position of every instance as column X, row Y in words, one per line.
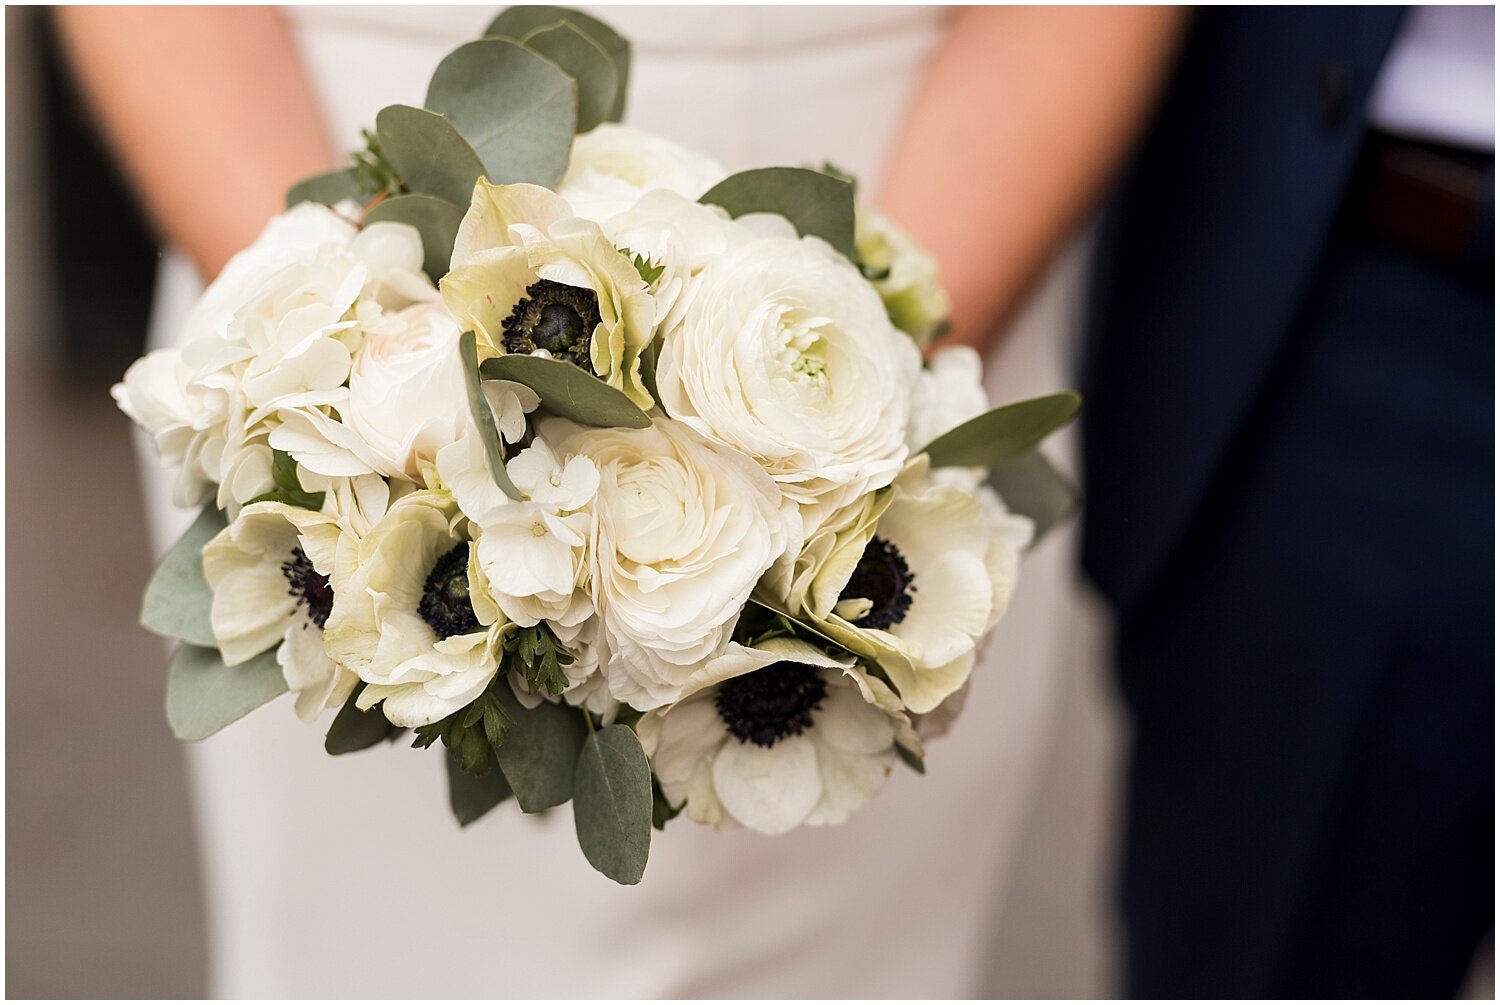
column 210, row 111
column 1020, row 120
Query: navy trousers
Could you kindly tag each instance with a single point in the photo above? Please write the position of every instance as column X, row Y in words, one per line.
column 1310, row 795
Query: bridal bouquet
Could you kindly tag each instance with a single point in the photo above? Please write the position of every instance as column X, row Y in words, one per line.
column 620, row 476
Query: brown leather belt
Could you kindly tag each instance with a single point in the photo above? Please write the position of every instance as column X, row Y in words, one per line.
column 1431, row 199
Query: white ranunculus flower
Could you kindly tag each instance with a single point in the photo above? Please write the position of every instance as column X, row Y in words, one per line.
column 683, row 531
column 933, row 573
column 415, row 620
column 156, row 397
column 528, row 276
column 288, row 240
column 271, row 342
column 904, row 274
column 790, row 741
column 270, row 574
column 949, row 393
column 786, row 355
column 613, row 165
column 406, row 400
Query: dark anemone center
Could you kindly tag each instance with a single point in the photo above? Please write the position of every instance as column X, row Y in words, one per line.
column 445, row 603
column 771, row 704
column 555, row 317
column 309, row 587
column 883, row 578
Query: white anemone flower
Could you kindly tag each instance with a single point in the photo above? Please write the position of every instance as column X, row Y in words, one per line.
column 270, row 574
column 790, row 741
column 918, row 587
column 530, row 277
column 415, row 621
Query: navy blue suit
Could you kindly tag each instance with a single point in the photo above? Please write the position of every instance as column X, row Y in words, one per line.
column 1288, row 461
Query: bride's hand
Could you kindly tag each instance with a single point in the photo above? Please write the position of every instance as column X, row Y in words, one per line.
column 1020, row 120
column 199, row 102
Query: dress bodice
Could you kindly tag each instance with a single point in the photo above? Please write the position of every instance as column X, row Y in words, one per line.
column 753, row 86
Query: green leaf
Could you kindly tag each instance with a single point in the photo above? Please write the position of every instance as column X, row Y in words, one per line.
column 436, row 220
column 288, row 486
column 472, row 796
column 581, row 58
column 484, row 418
column 540, row 751
column 644, row 267
column 178, row 600
column 204, row 696
column 567, row 390
column 1031, row 486
column 327, row 188
column 540, row 658
column 284, row 471
column 428, row 153
column 304, row 500
column 518, row 22
column 516, row 109
column 373, row 173
column 1002, row 433
column 354, row 729
column 612, row 804
column 912, row 760
column 818, row 205
column 662, row 812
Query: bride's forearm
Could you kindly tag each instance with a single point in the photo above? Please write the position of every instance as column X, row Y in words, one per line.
column 1021, row 118
column 210, row 111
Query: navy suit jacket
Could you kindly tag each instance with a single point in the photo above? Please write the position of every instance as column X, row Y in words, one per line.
column 1206, row 252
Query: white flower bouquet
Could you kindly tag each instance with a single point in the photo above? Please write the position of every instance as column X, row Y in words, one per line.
column 621, row 476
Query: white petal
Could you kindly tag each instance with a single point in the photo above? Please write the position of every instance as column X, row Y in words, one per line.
column 769, row 789
column 846, row 721
column 849, row 781
column 687, row 736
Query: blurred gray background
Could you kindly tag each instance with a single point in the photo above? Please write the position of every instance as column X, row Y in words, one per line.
column 102, row 893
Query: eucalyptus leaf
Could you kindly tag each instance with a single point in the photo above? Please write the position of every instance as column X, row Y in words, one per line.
column 484, row 418
column 428, row 153
column 818, row 205
column 472, row 796
column 328, row 188
column 436, row 220
column 516, row 108
column 540, row 751
column 356, row 729
column 204, row 695
column 1031, row 486
column 581, row 58
column 518, row 22
column 178, row 600
column 612, row 804
column 776, row 609
column 1002, row 433
column 568, row 390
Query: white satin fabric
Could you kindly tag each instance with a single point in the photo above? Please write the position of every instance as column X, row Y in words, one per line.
column 346, row 877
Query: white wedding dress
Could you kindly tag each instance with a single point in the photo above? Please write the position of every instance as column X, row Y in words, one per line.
column 346, row 877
